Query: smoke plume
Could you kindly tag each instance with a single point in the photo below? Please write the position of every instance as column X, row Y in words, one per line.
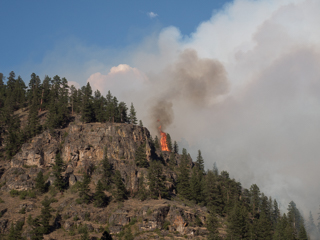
column 197, row 81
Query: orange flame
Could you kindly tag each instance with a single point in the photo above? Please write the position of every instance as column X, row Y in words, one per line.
column 163, row 140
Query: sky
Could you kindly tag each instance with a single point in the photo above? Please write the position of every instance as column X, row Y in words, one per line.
column 239, row 80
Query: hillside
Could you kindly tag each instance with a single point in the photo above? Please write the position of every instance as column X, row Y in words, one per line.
column 73, row 165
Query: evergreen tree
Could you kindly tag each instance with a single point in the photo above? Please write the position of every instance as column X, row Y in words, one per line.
column 212, row 226
column 40, row 183
column 156, row 181
column 87, row 108
column 156, row 142
column 200, row 162
column 175, row 147
column 16, row 231
column 132, row 115
column 36, row 228
column 46, row 215
column 238, row 223
column 141, row 156
column 212, row 191
column 169, row 142
column 123, row 112
column 140, row 123
column 14, row 138
column 100, row 199
column 106, row 172
column 84, row 190
column 196, row 185
column 120, row 193
column 172, row 160
column 57, row 170
column 302, row 233
column 183, row 184
column 255, row 200
column 142, row 194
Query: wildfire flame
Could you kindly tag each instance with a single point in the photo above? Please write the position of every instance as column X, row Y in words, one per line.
column 163, row 140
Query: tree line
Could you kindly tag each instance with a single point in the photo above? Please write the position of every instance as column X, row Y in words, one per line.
column 60, row 103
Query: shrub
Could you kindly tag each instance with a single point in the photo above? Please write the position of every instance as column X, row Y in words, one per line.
column 14, row 193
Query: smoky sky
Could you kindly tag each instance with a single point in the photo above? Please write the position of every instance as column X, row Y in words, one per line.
column 196, row 81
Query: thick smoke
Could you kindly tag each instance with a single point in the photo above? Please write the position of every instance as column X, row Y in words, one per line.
column 197, row 81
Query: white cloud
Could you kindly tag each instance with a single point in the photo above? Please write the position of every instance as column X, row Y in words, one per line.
column 122, row 80
column 152, row 14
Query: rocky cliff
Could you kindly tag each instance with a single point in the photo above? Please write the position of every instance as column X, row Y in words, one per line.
column 82, row 148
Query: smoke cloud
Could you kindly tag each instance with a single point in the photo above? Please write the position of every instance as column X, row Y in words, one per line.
column 197, row 81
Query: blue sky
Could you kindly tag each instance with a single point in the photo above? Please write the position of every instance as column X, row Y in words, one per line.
column 30, row 29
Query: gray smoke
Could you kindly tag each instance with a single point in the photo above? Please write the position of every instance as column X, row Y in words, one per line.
column 198, row 81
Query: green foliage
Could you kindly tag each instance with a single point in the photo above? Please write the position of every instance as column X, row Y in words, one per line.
column 183, row 184
column 16, row 231
column 132, row 115
column 169, row 142
column 40, row 183
column 46, row 215
column 238, row 223
column 84, row 190
column 142, row 193
column 14, row 193
column 57, row 170
column 106, row 172
column 156, row 178
column 212, row 226
column 120, row 192
column 141, row 156
column 100, row 199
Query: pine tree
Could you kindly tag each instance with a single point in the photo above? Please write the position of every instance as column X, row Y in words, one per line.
column 40, row 183
column 156, row 181
column 183, row 184
column 123, row 112
column 142, row 194
column 255, row 199
column 106, row 172
column 175, row 147
column 196, row 185
column 141, row 156
column 16, row 231
column 46, row 215
column 57, row 170
column 212, row 226
column 84, row 190
column 156, row 142
column 120, row 193
column 132, row 116
column 169, row 142
column 87, row 108
column 238, row 223
column 212, row 191
column 36, row 228
column 100, row 199
column 302, row 233
column 200, row 162
column 140, row 123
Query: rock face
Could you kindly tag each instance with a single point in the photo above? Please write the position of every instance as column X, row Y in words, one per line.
column 82, row 148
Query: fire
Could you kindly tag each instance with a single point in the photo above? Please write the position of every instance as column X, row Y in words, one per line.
column 163, row 140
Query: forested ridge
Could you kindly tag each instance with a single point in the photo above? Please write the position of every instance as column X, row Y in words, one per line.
column 233, row 212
